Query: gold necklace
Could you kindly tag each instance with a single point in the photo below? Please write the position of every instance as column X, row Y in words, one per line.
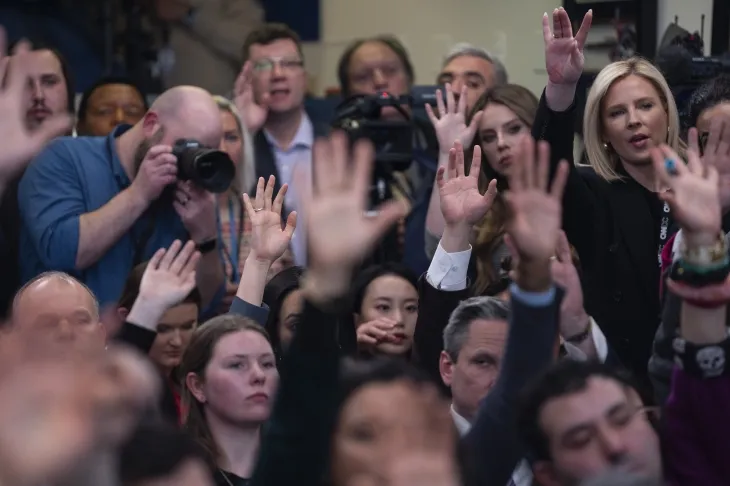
column 225, row 476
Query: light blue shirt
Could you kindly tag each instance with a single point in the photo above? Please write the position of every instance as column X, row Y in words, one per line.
column 71, row 177
column 298, row 154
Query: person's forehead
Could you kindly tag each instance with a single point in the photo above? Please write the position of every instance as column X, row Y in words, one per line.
column 279, row 47
column 468, row 63
column 44, row 61
column 115, row 92
column 707, row 115
column 586, row 405
column 48, row 293
column 373, row 52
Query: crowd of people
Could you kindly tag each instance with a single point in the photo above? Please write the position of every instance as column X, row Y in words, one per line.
column 547, row 322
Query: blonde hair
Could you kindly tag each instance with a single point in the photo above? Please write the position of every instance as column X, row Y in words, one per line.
column 245, row 168
column 601, row 159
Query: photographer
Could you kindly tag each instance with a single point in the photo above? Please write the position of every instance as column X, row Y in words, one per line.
column 97, row 206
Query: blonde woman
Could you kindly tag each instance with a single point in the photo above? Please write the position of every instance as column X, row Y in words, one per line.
column 612, row 213
column 234, row 229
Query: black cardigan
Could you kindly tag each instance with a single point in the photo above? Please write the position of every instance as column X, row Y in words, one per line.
column 611, row 226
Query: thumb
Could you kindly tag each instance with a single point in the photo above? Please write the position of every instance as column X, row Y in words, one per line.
column 387, row 215
column 50, row 129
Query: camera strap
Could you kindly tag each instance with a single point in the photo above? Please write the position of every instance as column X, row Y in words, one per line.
column 141, row 239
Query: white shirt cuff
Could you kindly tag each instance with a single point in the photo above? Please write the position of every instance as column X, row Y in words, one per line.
column 448, row 271
column 599, row 343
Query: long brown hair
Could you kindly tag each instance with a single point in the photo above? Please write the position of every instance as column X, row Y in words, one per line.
column 490, row 232
column 195, row 360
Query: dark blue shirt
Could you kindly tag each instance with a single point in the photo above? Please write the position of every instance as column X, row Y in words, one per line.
column 71, row 177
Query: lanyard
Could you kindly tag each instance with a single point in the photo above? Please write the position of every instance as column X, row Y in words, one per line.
column 231, row 254
column 664, row 231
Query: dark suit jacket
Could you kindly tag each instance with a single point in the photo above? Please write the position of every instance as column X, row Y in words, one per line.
column 611, row 226
column 264, row 155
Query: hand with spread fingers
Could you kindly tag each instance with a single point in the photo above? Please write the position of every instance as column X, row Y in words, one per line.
column 253, row 112
column 450, row 123
column 693, row 194
column 564, row 57
column 170, row 274
column 461, row 202
column 59, row 409
column 535, row 205
column 340, row 233
column 19, row 143
column 269, row 240
column 716, row 153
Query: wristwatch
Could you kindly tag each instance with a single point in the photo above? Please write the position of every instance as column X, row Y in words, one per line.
column 207, row 246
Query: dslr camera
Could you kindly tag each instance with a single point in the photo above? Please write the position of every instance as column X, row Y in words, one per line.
column 207, row 168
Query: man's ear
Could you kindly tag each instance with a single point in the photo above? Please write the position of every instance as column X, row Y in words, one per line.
column 446, row 368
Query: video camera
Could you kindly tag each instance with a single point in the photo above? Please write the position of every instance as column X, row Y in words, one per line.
column 209, row 169
column 360, row 117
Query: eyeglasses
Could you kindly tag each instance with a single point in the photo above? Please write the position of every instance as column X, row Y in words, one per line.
column 285, row 64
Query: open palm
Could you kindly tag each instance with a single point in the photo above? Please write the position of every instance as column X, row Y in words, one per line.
column 461, row 202
column 170, row 274
column 694, row 191
column 19, row 143
column 268, row 239
column 450, row 124
column 564, row 57
column 339, row 232
column 253, row 114
column 535, row 210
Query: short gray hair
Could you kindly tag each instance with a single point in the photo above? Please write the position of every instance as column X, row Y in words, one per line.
column 466, row 49
column 55, row 275
column 457, row 330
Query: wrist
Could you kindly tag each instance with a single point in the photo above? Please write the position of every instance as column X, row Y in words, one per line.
column 323, row 287
column 698, row 239
column 258, row 263
column 575, row 328
column 534, row 276
column 137, row 198
column 560, row 97
column 456, row 238
column 147, row 312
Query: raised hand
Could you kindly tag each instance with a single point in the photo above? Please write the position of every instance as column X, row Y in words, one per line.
column 170, row 275
column 253, row 112
column 535, row 209
column 340, row 233
column 19, row 143
column 269, row 240
column 564, row 53
column 450, row 124
column 716, row 153
column 693, row 193
column 461, row 202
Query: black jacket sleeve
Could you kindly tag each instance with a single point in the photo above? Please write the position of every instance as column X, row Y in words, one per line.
column 492, row 445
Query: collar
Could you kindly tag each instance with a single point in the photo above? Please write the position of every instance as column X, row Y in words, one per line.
column 304, row 138
column 462, row 424
column 116, row 164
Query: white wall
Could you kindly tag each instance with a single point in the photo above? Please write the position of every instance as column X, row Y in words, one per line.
column 510, row 29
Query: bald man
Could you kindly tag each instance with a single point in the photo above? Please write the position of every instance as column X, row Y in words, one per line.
column 94, row 207
column 55, row 309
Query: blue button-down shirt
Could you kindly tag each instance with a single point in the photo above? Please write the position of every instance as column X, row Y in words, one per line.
column 71, row 177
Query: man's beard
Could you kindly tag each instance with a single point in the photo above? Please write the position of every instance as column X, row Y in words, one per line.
column 144, row 147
